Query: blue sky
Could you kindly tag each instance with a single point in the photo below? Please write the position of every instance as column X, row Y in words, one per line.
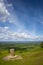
column 21, row 20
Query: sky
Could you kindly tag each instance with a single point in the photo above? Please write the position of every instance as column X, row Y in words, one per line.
column 21, row 20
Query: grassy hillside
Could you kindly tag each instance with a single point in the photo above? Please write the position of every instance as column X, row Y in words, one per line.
column 32, row 56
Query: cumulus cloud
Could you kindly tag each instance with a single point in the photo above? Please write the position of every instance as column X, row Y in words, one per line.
column 3, row 30
column 4, row 14
column 3, row 9
column 7, row 34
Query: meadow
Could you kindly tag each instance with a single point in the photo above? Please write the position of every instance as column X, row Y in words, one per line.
column 32, row 53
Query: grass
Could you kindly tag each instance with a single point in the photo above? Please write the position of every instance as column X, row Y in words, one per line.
column 31, row 57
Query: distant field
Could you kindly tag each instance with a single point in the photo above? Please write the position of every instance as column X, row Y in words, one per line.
column 32, row 56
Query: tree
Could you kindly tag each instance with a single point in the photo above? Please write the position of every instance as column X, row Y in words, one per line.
column 42, row 45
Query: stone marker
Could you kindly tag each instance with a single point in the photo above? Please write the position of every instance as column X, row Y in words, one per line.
column 12, row 56
column 12, row 52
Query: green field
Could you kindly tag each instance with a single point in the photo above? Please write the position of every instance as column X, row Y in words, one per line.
column 32, row 56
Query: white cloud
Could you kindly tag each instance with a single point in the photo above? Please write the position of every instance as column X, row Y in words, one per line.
column 4, row 14
column 9, row 5
column 7, row 34
column 3, row 9
column 3, row 29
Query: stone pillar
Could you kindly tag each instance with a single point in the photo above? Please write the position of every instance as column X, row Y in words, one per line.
column 12, row 52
